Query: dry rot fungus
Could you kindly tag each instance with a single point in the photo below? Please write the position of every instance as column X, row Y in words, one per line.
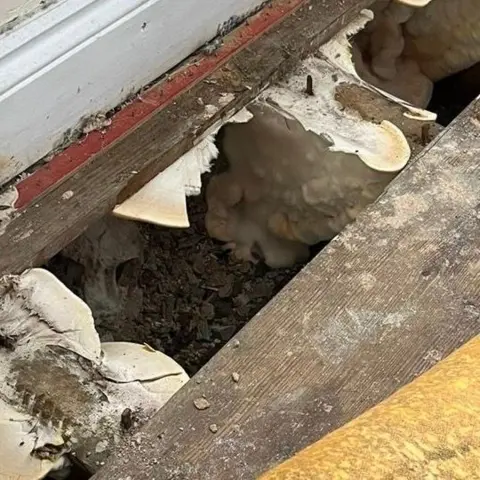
column 110, row 254
column 63, row 391
column 321, row 146
column 162, row 201
column 312, row 151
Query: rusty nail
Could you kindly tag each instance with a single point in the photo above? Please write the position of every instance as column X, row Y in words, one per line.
column 309, row 89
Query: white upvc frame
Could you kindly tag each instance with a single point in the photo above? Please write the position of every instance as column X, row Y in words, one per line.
column 81, row 57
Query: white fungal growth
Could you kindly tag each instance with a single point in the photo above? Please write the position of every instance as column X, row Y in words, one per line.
column 382, row 147
column 162, row 201
column 60, row 383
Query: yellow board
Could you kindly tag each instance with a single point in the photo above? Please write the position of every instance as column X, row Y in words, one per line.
column 429, row 429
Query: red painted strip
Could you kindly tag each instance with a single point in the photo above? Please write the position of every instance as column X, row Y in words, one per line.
column 76, row 155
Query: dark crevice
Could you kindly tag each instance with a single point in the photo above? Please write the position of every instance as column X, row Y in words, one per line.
column 78, row 471
column 453, row 94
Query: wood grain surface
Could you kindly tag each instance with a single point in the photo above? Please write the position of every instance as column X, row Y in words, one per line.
column 388, row 298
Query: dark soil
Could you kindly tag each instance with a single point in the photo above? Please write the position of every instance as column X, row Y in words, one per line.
column 195, row 296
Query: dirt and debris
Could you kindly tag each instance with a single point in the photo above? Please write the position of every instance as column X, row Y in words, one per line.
column 195, row 296
column 201, row 403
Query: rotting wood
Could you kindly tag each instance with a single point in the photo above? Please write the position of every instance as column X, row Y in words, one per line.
column 45, row 227
column 389, row 297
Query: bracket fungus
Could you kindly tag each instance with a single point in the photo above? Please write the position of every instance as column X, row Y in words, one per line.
column 306, row 165
column 304, row 160
column 63, row 391
column 162, row 201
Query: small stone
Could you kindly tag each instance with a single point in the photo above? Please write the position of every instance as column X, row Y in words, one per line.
column 327, row 408
column 67, row 195
column 213, row 428
column 201, row 403
column 198, row 265
column 235, row 343
column 226, row 290
column 207, row 310
column 235, row 377
column 101, row 446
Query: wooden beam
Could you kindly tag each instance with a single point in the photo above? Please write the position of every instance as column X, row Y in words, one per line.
column 107, row 167
column 389, row 297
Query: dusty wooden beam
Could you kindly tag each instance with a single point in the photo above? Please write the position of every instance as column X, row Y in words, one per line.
column 389, row 297
column 86, row 181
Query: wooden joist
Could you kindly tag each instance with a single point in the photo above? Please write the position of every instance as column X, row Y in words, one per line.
column 388, row 298
column 83, row 183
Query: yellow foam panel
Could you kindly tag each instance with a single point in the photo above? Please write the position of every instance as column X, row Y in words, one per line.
column 429, row 429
